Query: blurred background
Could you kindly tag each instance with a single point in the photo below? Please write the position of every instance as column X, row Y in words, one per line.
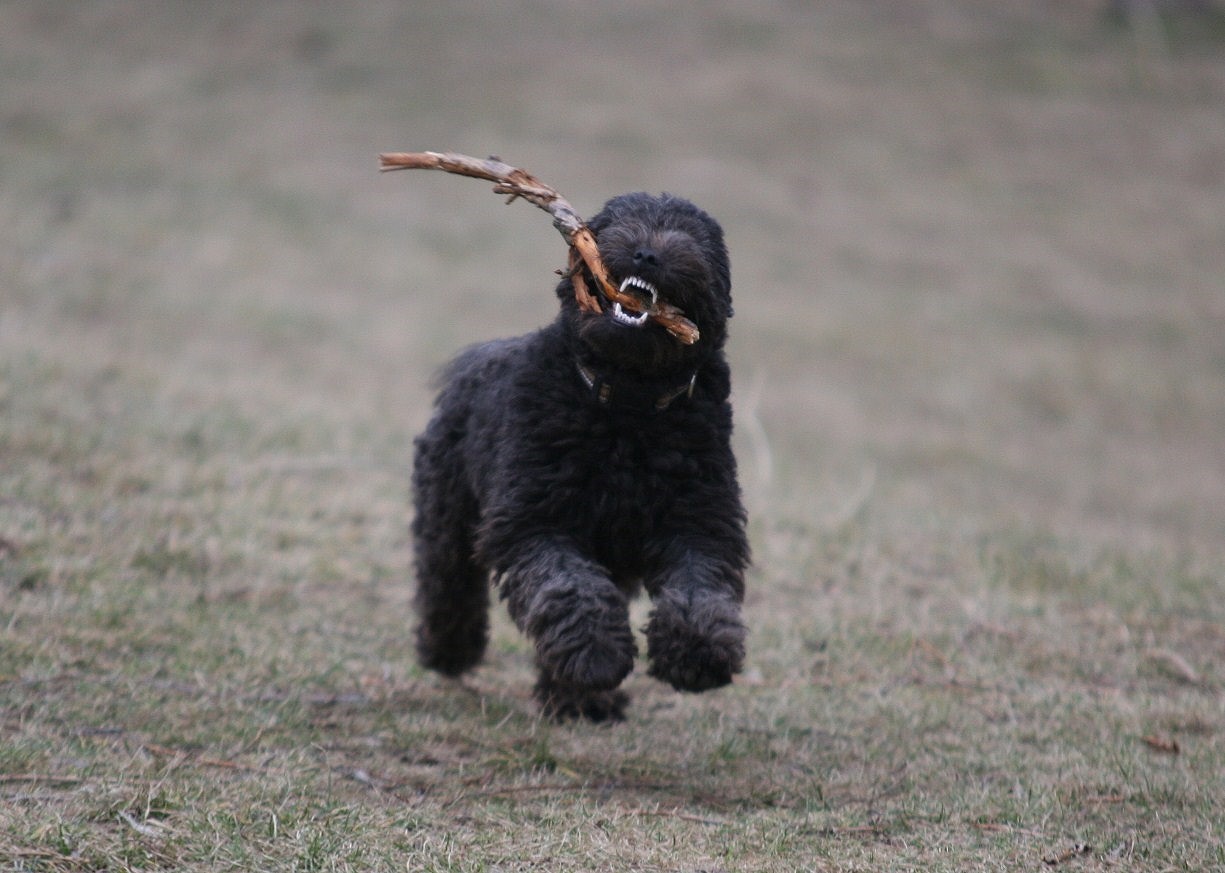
column 978, row 248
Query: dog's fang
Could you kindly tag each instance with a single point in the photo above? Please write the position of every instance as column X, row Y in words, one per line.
column 625, row 318
column 640, row 284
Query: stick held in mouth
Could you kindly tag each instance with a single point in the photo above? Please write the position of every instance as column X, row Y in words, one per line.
column 517, row 183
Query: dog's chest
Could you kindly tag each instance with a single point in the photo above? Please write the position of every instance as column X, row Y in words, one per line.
column 620, row 484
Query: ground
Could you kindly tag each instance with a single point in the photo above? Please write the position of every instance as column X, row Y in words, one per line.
column 980, row 400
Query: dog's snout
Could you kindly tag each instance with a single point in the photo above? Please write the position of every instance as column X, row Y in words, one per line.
column 646, row 256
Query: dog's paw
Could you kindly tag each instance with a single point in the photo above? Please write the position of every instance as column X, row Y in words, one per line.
column 696, row 665
column 595, row 663
column 561, row 702
column 695, row 647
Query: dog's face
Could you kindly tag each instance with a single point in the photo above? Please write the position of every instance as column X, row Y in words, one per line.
column 655, row 247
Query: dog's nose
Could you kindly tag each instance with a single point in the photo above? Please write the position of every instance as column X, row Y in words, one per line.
column 645, row 255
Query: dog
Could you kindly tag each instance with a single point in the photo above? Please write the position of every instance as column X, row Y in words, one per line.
column 573, row 466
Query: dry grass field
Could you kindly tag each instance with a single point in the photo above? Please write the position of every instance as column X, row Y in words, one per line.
column 979, row 263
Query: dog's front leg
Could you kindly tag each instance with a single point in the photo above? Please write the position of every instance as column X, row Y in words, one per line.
column 695, row 639
column 579, row 622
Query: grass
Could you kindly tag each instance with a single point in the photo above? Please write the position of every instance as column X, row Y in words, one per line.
column 981, row 401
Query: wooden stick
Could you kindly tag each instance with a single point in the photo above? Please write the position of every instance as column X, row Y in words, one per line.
column 517, row 183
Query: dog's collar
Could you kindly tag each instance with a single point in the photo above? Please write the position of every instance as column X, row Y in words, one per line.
column 603, row 391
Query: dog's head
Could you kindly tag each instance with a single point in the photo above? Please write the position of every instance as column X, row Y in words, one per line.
column 661, row 247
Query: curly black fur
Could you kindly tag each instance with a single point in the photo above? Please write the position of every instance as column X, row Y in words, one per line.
column 575, row 464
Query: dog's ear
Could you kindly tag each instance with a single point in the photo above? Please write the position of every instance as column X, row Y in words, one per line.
column 717, row 252
column 709, row 233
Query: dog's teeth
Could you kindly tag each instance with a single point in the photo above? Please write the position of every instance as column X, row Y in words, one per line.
column 640, row 284
column 625, row 318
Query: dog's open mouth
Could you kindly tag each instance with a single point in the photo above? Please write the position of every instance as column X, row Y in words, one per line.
column 640, row 288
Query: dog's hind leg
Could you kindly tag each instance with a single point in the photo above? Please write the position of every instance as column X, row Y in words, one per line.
column 452, row 598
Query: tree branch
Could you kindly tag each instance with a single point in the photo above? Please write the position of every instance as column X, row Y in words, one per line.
column 518, row 183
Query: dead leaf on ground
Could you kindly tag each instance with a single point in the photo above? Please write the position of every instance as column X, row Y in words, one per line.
column 1167, row 745
column 1067, row 854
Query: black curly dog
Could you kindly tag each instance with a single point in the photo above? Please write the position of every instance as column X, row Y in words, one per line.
column 574, row 464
